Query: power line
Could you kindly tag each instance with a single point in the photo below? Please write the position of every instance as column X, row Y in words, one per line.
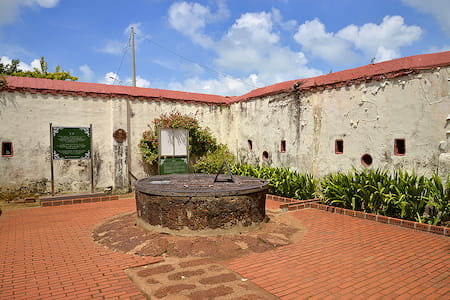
column 196, row 63
column 125, row 50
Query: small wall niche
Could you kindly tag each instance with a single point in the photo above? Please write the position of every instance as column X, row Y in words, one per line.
column 250, row 145
column 7, row 149
column 283, row 146
column 399, row 147
column 339, row 146
column 366, row 160
column 265, row 155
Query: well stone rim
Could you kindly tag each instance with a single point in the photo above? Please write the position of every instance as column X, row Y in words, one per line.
column 192, row 185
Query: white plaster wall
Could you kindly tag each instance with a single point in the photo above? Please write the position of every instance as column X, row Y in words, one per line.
column 266, row 122
column 368, row 117
column 372, row 115
column 25, row 119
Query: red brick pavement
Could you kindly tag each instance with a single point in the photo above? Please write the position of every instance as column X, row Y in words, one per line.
column 48, row 253
column 341, row 257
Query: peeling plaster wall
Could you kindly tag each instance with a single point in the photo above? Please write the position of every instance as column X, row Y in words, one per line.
column 367, row 117
column 25, row 122
column 27, row 117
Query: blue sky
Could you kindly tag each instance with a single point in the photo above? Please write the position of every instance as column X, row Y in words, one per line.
column 225, row 47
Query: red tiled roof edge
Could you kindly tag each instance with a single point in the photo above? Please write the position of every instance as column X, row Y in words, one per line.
column 84, row 89
column 378, row 71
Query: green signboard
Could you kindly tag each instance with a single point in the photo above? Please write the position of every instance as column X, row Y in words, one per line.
column 173, row 165
column 71, row 142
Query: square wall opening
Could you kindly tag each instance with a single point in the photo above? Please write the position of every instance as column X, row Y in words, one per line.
column 339, row 146
column 250, row 145
column 7, row 149
column 283, row 146
column 399, row 147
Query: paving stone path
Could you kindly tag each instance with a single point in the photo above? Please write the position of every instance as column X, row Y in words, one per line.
column 195, row 278
column 191, row 267
column 120, row 233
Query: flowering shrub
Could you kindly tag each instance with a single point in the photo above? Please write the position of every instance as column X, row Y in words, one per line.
column 201, row 140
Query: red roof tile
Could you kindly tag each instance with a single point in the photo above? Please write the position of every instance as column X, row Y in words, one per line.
column 378, row 71
column 106, row 90
column 388, row 69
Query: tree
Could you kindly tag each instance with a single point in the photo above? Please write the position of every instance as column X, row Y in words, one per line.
column 9, row 69
column 12, row 69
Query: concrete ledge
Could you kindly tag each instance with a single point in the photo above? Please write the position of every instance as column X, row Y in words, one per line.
column 294, row 204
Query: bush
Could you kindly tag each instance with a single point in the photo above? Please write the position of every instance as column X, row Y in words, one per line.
column 212, row 161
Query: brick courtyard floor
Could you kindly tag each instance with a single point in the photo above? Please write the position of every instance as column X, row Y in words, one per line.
column 342, row 257
column 48, row 253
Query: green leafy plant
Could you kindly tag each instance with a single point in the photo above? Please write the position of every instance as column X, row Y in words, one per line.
column 401, row 195
column 282, row 181
column 213, row 161
column 201, row 140
column 13, row 69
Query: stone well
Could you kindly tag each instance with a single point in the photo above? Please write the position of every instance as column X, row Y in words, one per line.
column 194, row 204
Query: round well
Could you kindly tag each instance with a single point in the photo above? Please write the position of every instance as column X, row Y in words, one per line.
column 197, row 204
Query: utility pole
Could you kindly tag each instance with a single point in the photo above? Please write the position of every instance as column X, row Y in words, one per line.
column 133, row 70
column 133, row 63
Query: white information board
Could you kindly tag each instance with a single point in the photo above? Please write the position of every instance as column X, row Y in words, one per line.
column 173, row 142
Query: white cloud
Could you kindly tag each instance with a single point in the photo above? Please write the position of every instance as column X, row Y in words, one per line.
column 22, row 65
column 382, row 42
column 46, row 3
column 440, row 9
column 278, row 19
column 113, row 78
column 139, row 34
column 141, row 82
column 136, row 27
column 5, row 60
column 117, row 47
column 191, row 18
column 224, row 85
column 113, row 47
column 315, row 40
column 35, row 64
column 87, row 75
column 10, row 9
column 250, row 46
column 192, row 68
